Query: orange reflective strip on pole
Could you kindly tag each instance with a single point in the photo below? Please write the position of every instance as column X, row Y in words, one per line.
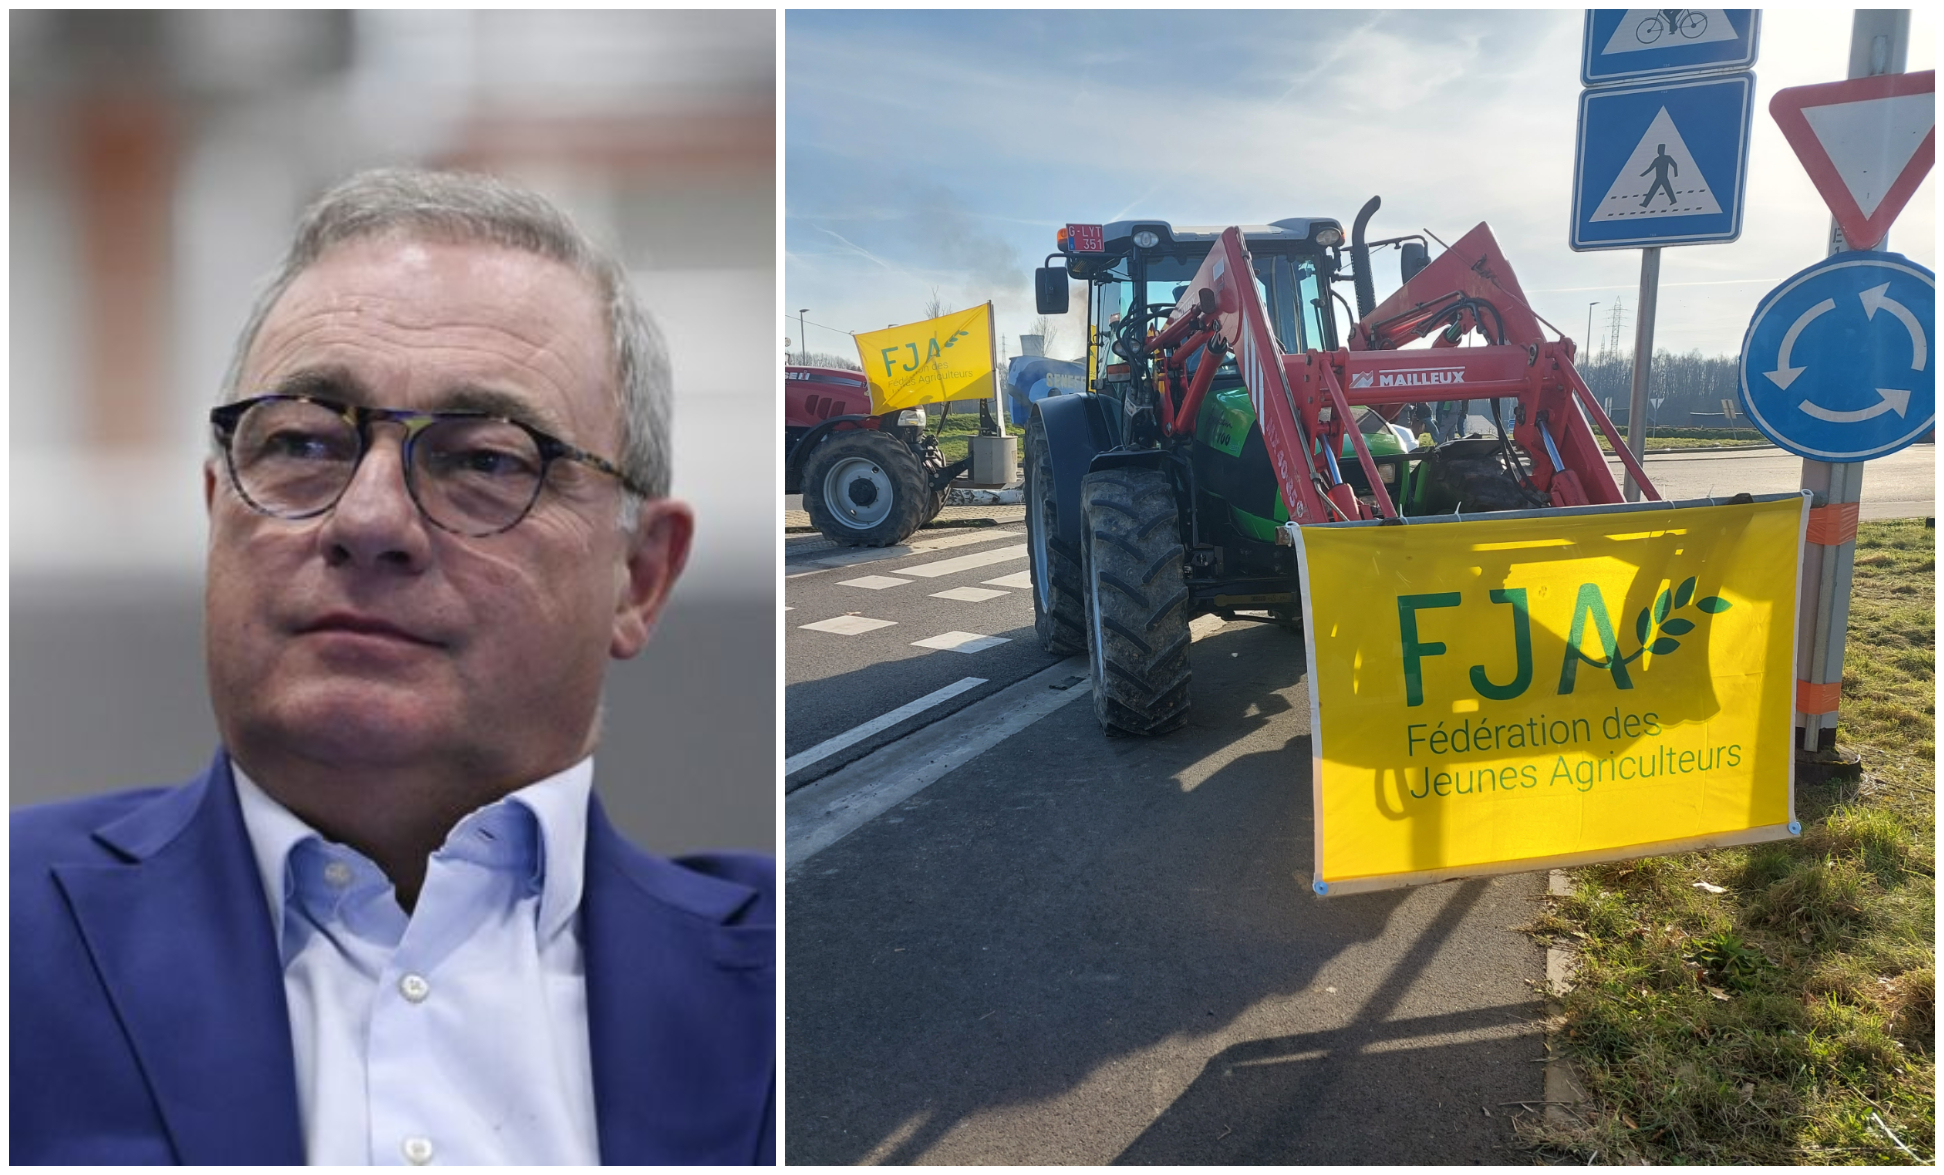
column 1833, row 525
column 1818, row 697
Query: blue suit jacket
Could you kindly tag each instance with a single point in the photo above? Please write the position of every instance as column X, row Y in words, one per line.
column 148, row 1017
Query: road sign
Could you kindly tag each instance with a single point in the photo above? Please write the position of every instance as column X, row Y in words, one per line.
column 1661, row 164
column 1836, row 364
column 1638, row 43
column 1866, row 143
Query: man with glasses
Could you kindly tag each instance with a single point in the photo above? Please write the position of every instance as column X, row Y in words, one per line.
column 390, row 923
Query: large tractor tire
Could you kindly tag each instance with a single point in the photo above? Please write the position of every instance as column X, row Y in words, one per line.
column 1137, row 600
column 865, row 489
column 1059, row 611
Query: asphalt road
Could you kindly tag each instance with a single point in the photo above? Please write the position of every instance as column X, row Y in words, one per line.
column 1902, row 485
column 836, row 681
column 1083, row 949
column 1052, row 946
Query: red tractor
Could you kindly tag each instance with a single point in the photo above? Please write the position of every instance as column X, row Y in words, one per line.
column 1222, row 404
column 866, row 481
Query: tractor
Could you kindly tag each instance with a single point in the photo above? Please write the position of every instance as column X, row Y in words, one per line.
column 1222, row 403
column 866, row 480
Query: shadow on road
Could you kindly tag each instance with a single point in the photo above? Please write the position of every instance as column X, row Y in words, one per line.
column 1088, row 949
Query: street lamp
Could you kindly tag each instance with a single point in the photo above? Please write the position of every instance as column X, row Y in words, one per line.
column 801, row 340
column 1589, row 328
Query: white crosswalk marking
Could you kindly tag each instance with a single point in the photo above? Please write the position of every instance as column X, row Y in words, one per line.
column 965, row 562
column 970, row 595
column 961, row 642
column 1020, row 580
column 848, row 625
column 874, row 582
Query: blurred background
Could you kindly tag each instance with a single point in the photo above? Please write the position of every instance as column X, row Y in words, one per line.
column 159, row 162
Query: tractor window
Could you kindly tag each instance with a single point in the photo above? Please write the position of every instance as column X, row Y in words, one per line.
column 1282, row 305
column 1310, row 296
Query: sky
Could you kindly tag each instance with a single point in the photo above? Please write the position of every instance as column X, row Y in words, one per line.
column 936, row 153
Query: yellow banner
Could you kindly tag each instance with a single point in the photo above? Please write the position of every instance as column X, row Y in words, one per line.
column 929, row 362
column 1506, row 694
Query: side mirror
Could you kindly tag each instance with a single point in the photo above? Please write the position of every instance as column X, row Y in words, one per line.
column 1050, row 289
column 1412, row 258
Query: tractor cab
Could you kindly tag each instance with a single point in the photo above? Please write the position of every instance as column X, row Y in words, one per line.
column 1137, row 276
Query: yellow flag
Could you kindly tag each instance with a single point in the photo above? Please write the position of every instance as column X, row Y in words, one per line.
column 1500, row 695
column 929, row 362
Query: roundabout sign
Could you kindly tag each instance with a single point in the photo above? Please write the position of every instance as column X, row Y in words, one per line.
column 1837, row 362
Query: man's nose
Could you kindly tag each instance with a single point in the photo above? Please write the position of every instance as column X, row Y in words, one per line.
column 375, row 522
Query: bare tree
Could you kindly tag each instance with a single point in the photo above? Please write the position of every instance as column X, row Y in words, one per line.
column 1047, row 328
column 934, row 308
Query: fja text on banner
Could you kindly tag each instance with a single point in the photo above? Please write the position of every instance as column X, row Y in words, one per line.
column 929, row 362
column 1506, row 694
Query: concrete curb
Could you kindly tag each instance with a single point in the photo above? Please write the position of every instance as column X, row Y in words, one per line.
column 955, row 497
column 1564, row 1094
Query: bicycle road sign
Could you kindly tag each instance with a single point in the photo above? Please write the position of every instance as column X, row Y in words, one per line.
column 1837, row 364
column 1662, row 164
column 1635, row 44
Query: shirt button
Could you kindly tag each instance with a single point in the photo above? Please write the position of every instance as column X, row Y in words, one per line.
column 338, row 874
column 418, row 1151
column 415, row 989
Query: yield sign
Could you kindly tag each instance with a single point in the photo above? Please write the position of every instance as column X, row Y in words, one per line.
column 1866, row 144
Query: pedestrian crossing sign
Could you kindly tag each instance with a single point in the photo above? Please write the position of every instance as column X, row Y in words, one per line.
column 1662, row 164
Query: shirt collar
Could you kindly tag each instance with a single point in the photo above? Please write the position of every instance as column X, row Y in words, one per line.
column 558, row 804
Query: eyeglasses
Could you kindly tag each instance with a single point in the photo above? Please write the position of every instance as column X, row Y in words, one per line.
column 470, row 473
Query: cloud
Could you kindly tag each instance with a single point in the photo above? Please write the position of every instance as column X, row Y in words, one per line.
column 950, row 143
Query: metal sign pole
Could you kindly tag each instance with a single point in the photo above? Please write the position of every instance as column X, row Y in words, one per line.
column 1879, row 40
column 998, row 377
column 1643, row 360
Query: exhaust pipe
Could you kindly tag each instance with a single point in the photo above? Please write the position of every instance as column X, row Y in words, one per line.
column 1360, row 253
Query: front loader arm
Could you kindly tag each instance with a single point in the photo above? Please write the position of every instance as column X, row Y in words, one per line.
column 1304, row 402
column 1222, row 296
column 1471, row 282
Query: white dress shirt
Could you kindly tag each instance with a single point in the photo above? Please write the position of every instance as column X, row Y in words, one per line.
column 455, row 1034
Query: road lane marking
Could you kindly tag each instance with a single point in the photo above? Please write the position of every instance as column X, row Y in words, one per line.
column 822, row 560
column 961, row 642
column 856, row 734
column 965, row 562
column 970, row 595
column 876, row 583
column 848, row 625
column 820, row 814
column 1018, row 579
column 963, row 538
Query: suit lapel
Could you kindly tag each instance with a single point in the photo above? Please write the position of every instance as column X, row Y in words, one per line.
column 182, row 942
column 680, row 1009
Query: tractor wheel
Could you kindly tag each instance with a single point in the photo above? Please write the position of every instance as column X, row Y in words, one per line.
column 865, row 489
column 1059, row 613
column 1137, row 600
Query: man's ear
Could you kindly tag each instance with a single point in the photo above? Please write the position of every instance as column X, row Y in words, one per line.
column 209, row 485
column 658, row 548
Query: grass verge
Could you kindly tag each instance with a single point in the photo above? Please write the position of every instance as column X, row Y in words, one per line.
column 1775, row 1004
column 1672, row 438
column 955, row 435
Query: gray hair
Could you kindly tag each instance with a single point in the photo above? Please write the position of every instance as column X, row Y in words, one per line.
column 464, row 208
